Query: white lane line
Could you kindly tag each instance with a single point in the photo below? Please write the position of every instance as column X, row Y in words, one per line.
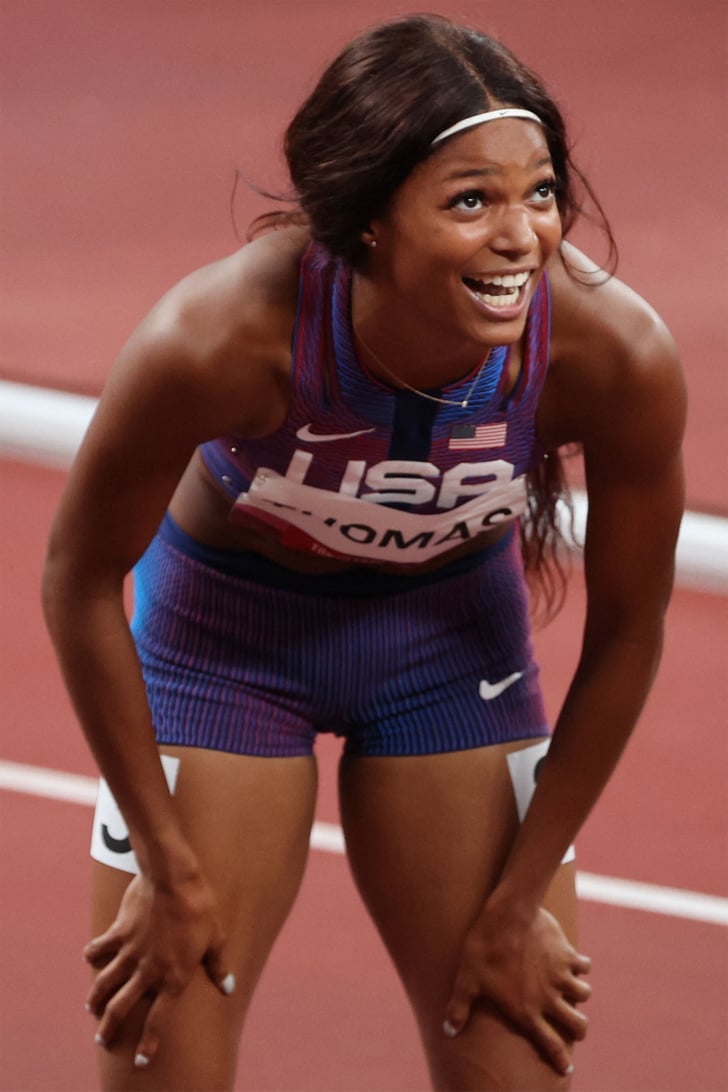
column 52, row 784
column 673, row 901
column 329, row 837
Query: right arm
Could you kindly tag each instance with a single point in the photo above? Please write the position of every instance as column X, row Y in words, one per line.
column 182, row 378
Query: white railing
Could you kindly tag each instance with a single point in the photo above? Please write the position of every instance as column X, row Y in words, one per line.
column 46, row 426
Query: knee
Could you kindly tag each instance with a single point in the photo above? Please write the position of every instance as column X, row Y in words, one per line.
column 488, row 1056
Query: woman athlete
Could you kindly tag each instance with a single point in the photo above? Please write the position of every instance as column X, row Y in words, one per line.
column 325, row 456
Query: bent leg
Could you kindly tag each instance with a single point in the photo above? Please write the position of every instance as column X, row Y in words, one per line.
column 427, row 837
column 249, row 821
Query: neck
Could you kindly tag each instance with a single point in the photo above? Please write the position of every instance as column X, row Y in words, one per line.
column 395, row 347
column 397, row 379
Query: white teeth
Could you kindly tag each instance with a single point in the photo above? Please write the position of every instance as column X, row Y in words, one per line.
column 509, row 280
column 514, row 282
column 507, row 299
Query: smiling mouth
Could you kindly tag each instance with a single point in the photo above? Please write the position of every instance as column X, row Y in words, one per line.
column 499, row 291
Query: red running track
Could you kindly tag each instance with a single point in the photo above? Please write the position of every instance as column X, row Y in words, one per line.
column 124, row 123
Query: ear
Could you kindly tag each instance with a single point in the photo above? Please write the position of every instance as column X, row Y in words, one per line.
column 369, row 237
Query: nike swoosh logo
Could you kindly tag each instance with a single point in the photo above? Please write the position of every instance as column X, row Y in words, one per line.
column 488, row 691
column 309, row 437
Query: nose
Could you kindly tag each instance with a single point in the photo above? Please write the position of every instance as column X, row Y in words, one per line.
column 514, row 234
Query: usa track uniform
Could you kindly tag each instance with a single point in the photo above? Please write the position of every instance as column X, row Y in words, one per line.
column 241, row 654
column 361, row 471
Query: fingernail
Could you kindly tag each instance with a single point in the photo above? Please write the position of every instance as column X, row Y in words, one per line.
column 99, row 1039
column 140, row 1060
column 449, row 1029
column 568, row 1071
column 228, row 984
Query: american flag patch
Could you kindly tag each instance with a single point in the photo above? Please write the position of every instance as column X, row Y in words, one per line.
column 463, row 437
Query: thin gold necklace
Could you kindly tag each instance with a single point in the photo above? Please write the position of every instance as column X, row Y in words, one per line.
column 461, row 403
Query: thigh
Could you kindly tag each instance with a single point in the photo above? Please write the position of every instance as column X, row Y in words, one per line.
column 249, row 821
column 427, row 837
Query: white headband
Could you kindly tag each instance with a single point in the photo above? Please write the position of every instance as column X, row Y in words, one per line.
column 481, row 119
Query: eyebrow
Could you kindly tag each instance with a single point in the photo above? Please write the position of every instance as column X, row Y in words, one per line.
column 485, row 172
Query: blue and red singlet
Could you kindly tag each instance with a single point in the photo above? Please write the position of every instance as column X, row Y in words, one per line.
column 369, row 473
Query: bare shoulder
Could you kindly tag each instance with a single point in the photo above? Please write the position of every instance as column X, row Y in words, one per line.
column 248, row 297
column 213, row 356
column 615, row 382
column 223, row 334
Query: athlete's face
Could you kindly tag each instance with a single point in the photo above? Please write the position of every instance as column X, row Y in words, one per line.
column 466, row 237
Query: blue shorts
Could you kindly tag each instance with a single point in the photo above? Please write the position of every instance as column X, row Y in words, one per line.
column 242, row 655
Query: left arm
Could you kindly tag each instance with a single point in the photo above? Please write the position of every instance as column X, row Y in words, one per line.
column 630, row 424
column 635, row 490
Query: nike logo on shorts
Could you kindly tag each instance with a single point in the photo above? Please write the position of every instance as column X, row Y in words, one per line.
column 488, row 691
column 304, row 433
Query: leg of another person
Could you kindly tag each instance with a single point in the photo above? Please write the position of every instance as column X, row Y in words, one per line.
column 426, row 838
column 249, row 821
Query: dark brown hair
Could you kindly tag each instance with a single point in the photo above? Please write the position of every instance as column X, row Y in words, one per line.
column 371, row 120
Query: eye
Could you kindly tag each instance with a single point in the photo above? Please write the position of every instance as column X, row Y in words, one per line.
column 544, row 191
column 470, row 200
